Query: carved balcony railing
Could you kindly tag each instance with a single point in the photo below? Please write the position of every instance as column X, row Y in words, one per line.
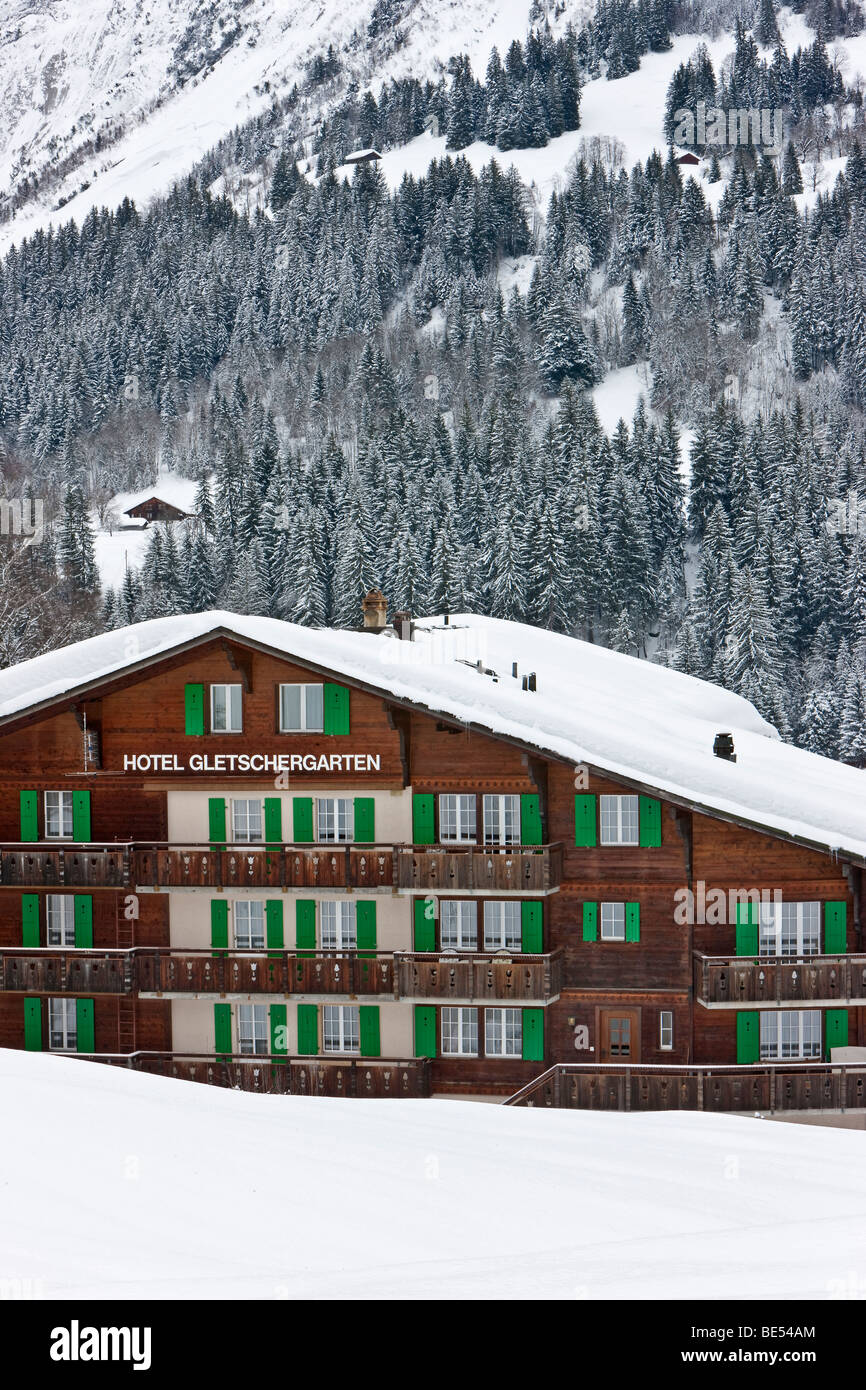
column 779, row 982
column 467, row 975
column 168, row 970
column 526, row 869
column 765, row 1086
column 373, row 1078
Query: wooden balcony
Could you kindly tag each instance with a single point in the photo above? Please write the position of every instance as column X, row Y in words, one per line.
column 57, row 971
column 48, row 866
column 779, row 982
column 178, row 971
column 763, row 1086
column 477, row 977
column 535, row 870
column 152, row 970
column 350, row 1077
column 527, row 869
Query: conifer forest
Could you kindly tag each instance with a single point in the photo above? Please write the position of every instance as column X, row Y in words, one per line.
column 379, row 382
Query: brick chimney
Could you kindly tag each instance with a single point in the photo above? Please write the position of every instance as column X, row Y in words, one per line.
column 375, row 607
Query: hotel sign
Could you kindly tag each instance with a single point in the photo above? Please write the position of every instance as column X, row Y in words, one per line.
column 252, row 762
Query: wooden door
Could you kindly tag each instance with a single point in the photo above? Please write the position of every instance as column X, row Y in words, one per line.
column 619, row 1033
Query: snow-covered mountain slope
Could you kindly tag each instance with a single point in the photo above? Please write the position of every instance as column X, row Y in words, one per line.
column 160, row 83
column 738, row 1209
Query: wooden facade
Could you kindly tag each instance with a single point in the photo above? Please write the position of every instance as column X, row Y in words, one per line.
column 133, row 910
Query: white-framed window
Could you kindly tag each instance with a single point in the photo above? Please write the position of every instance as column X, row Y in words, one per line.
column 502, row 926
column 790, row 1033
column 790, row 929
column 501, row 820
column 460, row 1032
column 249, row 918
column 226, row 709
column 253, row 1029
column 302, row 709
column 58, row 815
column 457, row 818
column 338, row 926
column 246, row 821
column 666, row 1030
column 458, row 925
column 336, row 819
column 341, row 1028
column 503, row 1032
column 620, row 822
column 60, row 919
column 62, row 1025
column 613, row 921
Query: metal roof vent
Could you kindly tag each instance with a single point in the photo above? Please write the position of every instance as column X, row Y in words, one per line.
column 724, row 748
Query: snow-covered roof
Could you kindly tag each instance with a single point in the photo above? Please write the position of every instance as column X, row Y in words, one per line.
column 169, row 487
column 629, row 718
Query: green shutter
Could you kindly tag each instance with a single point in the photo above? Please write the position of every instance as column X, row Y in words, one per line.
column 336, row 709
column 530, row 819
column 749, row 1036
column 835, row 929
column 274, row 924
column 33, row 1025
column 30, row 919
column 835, row 1029
column 85, row 1029
column 365, row 922
column 747, row 929
column 650, row 821
column 531, row 917
column 585, row 820
column 29, row 816
column 194, row 703
column 222, row 1028
column 81, row 816
column 590, row 921
column 425, row 925
column 219, row 923
column 423, row 823
column 305, row 926
column 273, row 821
column 368, row 1015
column 302, row 820
column 425, row 1030
column 533, row 1035
column 365, row 820
column 83, row 911
column 632, row 921
column 308, row 1030
column 279, row 1020
column 216, row 820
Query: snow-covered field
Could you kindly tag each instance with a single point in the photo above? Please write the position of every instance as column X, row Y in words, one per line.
column 166, row 1189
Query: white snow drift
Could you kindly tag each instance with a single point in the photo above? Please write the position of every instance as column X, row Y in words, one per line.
column 176, row 1190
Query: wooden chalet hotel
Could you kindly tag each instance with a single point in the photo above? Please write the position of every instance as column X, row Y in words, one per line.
column 450, row 856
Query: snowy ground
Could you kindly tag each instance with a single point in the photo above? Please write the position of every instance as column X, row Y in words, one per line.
column 122, row 544
column 173, row 1190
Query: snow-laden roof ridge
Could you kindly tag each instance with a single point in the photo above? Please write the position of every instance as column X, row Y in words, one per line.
column 630, row 718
